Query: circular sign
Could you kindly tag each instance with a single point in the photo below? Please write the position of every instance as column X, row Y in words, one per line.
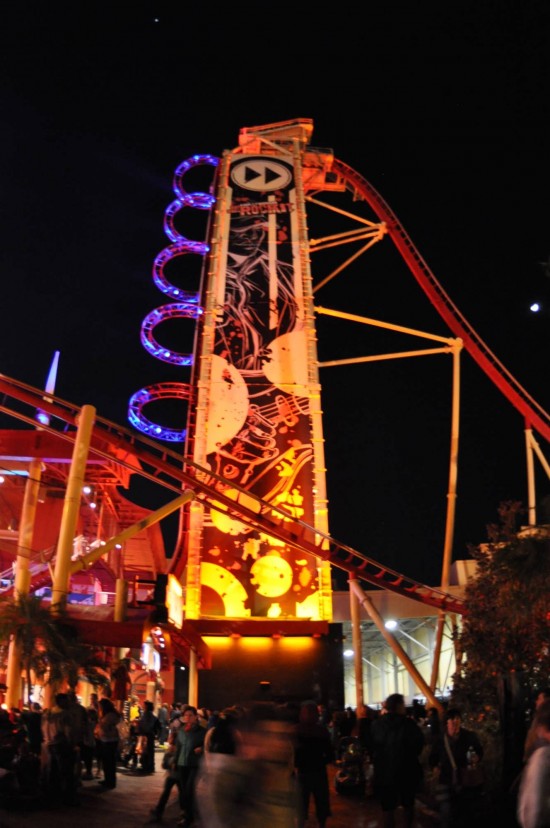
column 261, row 174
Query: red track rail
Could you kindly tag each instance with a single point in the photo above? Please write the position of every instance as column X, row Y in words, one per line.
column 152, row 460
column 535, row 416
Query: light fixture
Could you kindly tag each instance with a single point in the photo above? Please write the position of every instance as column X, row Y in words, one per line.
column 390, row 624
column 348, row 653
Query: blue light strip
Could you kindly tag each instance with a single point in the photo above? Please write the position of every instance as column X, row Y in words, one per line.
column 186, row 307
column 167, row 255
column 175, row 311
column 185, row 166
column 199, row 201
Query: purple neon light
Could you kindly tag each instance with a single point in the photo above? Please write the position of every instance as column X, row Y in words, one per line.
column 153, row 393
column 199, row 201
column 167, row 255
column 187, row 306
column 177, row 310
column 185, row 166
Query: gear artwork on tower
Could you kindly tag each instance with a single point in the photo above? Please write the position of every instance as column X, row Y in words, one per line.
column 254, row 417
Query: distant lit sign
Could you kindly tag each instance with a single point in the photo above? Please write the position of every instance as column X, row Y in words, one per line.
column 149, row 657
column 174, row 601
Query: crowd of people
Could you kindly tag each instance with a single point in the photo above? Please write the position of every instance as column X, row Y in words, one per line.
column 266, row 764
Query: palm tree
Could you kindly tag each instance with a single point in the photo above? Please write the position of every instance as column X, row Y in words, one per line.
column 37, row 632
column 79, row 661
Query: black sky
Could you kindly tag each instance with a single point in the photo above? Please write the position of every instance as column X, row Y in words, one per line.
column 445, row 110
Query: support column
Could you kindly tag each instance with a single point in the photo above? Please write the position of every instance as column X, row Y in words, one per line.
column 531, row 496
column 121, row 599
column 355, row 610
column 451, row 508
column 395, row 646
column 193, row 679
column 13, row 676
column 23, row 576
column 71, row 507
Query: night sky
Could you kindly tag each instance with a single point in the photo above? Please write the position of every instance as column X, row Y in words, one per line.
column 446, row 113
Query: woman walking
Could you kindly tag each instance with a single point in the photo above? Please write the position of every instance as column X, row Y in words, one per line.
column 107, row 733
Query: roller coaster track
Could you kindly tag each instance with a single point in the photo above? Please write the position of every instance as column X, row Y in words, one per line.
column 535, row 416
column 157, row 463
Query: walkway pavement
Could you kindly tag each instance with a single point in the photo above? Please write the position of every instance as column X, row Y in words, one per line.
column 128, row 806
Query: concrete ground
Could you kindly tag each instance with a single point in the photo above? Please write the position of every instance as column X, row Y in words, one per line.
column 128, row 806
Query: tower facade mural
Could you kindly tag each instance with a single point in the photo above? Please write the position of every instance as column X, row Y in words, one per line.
column 255, row 421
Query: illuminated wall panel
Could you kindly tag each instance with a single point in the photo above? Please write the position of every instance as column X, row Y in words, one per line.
column 257, row 421
column 287, row 669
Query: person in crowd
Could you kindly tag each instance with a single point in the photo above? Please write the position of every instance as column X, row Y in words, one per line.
column 324, row 714
column 452, row 752
column 93, row 718
column 20, row 733
column 175, row 711
column 33, row 722
column 107, row 733
column 59, row 753
column 88, row 750
column 312, row 753
column 223, row 781
column 176, row 720
column 266, row 744
column 164, row 718
column 171, row 778
column 203, row 717
column 397, row 743
column 7, row 746
column 534, row 792
column 94, row 703
column 121, row 684
column 79, row 724
column 189, row 746
column 532, row 740
column 363, row 728
column 432, row 725
column 221, row 737
column 337, row 729
column 129, row 756
column 135, row 710
column 26, row 767
column 347, row 722
column 418, row 712
column 149, row 728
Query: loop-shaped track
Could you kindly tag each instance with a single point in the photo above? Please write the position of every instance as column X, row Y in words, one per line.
column 185, row 307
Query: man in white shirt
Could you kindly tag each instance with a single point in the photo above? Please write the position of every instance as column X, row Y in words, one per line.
column 534, row 792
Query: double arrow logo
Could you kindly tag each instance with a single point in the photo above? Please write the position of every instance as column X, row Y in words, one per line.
column 267, row 174
column 260, row 175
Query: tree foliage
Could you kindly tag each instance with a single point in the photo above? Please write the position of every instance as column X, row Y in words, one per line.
column 506, row 624
column 47, row 642
column 37, row 632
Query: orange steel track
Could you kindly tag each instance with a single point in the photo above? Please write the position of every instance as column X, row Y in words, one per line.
column 535, row 416
column 157, row 463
